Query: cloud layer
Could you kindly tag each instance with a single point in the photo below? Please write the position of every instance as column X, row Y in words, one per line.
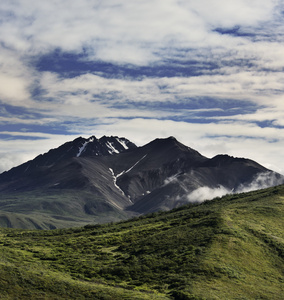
column 143, row 69
column 261, row 181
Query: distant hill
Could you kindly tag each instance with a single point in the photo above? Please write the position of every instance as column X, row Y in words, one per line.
column 108, row 179
column 227, row 248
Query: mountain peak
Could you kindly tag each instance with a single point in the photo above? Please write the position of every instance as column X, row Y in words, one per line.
column 171, row 147
column 106, row 145
column 79, row 147
column 111, row 176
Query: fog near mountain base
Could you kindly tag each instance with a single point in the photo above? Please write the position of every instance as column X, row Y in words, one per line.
column 262, row 181
column 206, row 193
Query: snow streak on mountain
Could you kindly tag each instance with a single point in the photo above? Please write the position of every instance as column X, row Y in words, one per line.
column 110, row 178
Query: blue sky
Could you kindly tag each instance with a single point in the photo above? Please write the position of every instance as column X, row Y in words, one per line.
column 209, row 73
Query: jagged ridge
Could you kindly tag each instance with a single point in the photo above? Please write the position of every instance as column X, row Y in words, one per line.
column 113, row 178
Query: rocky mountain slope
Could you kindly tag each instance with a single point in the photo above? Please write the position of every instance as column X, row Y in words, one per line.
column 99, row 180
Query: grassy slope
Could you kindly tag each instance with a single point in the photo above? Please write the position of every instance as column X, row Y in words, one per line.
column 46, row 209
column 246, row 258
column 229, row 248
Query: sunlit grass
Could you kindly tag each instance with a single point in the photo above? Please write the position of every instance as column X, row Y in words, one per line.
column 228, row 248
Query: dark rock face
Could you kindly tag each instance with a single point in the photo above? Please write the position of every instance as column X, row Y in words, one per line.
column 80, row 147
column 119, row 176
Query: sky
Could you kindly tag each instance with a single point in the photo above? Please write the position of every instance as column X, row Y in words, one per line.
column 208, row 72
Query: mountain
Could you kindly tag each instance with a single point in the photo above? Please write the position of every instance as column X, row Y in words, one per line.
column 80, row 147
column 100, row 180
column 227, row 248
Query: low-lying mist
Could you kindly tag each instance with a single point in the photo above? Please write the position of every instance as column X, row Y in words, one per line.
column 262, row 181
column 206, row 193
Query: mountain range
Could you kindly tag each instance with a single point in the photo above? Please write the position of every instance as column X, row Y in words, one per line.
column 108, row 179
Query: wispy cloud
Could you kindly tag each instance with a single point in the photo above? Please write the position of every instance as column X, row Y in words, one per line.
column 143, row 69
column 261, row 181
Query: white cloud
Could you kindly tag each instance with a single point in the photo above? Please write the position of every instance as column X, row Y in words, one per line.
column 15, row 78
column 118, row 31
column 144, row 33
column 209, row 139
column 16, row 151
column 262, row 181
column 228, row 13
column 206, row 193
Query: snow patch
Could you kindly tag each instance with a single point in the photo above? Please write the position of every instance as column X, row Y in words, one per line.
column 121, row 173
column 81, row 149
column 114, row 181
column 123, row 143
column 135, row 164
column 111, row 147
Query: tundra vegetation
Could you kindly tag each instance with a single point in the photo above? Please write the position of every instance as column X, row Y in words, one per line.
column 228, row 248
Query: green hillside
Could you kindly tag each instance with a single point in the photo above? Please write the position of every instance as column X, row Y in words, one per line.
column 228, row 248
column 64, row 208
